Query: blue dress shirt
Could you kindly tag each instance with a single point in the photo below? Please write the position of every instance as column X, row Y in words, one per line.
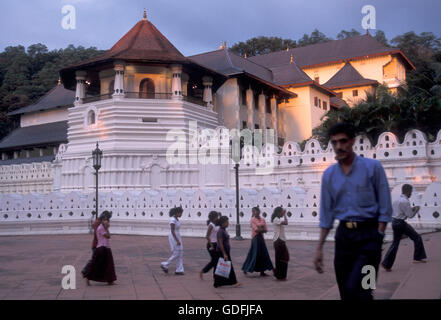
column 361, row 194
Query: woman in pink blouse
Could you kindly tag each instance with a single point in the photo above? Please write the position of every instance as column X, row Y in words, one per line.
column 258, row 259
column 102, row 268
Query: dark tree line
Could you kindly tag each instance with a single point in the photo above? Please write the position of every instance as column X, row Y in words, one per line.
column 262, row 45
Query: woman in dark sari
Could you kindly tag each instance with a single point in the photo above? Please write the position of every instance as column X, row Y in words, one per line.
column 281, row 251
column 102, row 268
column 258, row 259
column 223, row 248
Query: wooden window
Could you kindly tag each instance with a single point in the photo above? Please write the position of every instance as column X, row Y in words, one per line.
column 355, row 93
column 325, row 105
column 316, row 101
column 244, row 124
column 320, row 103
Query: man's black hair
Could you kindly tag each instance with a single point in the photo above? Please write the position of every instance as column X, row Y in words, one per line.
column 406, row 188
column 342, row 127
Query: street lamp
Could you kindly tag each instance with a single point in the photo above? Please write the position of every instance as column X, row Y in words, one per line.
column 237, row 144
column 97, row 155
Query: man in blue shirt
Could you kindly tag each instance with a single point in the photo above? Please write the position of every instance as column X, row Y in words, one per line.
column 354, row 191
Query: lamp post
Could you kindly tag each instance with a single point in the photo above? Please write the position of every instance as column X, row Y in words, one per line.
column 237, row 144
column 97, row 155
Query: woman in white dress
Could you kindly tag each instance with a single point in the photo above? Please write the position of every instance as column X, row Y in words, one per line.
column 175, row 241
column 211, row 237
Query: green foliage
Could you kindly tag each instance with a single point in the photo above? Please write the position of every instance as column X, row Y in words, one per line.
column 383, row 111
column 262, row 45
column 315, row 37
column 347, row 34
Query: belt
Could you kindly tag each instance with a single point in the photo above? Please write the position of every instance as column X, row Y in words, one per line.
column 359, row 224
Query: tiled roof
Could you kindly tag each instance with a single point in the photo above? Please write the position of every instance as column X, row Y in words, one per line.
column 328, row 52
column 289, row 74
column 229, row 64
column 142, row 42
column 55, row 132
column 348, row 77
column 56, row 97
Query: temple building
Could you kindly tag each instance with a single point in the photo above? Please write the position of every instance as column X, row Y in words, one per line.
column 130, row 98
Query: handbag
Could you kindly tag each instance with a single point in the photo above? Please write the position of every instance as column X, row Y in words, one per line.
column 223, row 268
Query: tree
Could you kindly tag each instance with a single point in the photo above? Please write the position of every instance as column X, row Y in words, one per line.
column 380, row 36
column 347, row 34
column 383, row 111
column 262, row 45
column 315, row 37
column 26, row 75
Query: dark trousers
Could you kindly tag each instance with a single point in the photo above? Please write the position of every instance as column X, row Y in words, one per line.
column 354, row 249
column 401, row 227
column 214, row 257
column 83, row 272
column 282, row 258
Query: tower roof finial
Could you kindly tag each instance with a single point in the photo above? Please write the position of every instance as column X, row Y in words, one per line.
column 145, row 15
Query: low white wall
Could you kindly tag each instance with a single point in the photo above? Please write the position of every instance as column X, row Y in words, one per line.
column 146, row 212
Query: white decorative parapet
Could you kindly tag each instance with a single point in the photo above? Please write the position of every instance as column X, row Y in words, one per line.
column 146, row 212
column 25, row 178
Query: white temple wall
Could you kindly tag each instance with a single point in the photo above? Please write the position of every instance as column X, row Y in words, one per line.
column 146, row 212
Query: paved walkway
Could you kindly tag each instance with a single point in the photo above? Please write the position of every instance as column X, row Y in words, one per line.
column 30, row 268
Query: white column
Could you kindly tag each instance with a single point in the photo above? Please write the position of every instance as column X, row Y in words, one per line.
column 262, row 115
column 275, row 119
column 80, row 92
column 176, row 81
column 119, row 68
column 250, row 109
column 207, row 82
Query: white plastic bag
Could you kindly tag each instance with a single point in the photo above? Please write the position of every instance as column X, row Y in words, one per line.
column 223, row 268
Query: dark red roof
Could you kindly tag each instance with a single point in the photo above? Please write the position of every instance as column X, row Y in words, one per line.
column 143, row 42
column 348, row 77
column 330, row 52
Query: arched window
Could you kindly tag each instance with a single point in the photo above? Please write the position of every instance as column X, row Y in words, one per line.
column 91, row 118
column 111, row 87
column 147, row 89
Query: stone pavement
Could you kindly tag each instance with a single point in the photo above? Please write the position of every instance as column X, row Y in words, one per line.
column 30, row 268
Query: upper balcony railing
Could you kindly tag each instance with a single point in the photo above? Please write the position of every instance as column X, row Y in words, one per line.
column 144, row 95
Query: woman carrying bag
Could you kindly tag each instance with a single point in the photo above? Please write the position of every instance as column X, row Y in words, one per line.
column 223, row 249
